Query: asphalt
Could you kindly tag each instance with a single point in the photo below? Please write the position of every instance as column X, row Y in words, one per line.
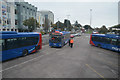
column 81, row 61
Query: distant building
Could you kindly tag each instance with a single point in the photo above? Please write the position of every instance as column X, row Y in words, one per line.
column 24, row 11
column 3, row 14
column 7, row 16
column 119, row 12
column 45, row 18
column 13, row 13
column 11, row 16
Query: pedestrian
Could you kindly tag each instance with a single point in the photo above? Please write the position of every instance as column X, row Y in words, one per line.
column 71, row 42
column 70, row 39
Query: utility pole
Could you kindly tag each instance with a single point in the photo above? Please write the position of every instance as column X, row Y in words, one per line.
column 90, row 18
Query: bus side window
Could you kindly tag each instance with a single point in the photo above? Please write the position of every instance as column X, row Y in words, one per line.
column 114, row 41
column 11, row 43
column 108, row 40
column 101, row 39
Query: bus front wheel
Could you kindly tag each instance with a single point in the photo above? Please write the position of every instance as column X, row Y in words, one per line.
column 25, row 52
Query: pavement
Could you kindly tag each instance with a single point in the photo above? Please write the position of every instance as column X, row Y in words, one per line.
column 81, row 61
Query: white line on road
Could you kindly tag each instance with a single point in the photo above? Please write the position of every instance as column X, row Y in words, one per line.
column 22, row 63
column 25, row 61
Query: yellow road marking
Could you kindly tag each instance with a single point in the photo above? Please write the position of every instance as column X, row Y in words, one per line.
column 95, row 71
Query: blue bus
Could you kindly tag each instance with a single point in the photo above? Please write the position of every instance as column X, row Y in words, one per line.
column 59, row 38
column 13, row 44
column 107, row 41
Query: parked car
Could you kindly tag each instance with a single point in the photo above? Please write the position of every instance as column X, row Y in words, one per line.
column 73, row 35
column 78, row 34
column 94, row 32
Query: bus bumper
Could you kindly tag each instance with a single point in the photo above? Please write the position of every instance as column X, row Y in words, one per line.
column 55, row 44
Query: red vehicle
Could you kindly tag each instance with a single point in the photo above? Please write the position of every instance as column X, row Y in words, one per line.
column 94, row 32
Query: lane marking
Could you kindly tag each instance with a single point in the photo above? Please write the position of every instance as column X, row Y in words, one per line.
column 95, row 71
column 22, row 63
column 25, row 62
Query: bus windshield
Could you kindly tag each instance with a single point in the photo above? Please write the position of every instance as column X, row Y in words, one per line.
column 55, row 39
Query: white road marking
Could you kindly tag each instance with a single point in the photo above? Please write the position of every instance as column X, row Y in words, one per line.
column 22, row 63
column 113, row 71
column 25, row 61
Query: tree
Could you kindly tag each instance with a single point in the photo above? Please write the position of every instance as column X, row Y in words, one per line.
column 103, row 30
column 115, row 28
column 77, row 24
column 67, row 24
column 60, row 25
column 31, row 23
column 87, row 27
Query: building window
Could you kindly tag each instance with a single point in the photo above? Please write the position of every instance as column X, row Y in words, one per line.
column 25, row 17
column 16, row 22
column 11, row 29
column 32, row 13
column 0, row 20
column 15, row 11
column 29, row 12
column 3, row 29
column 7, row 29
column 25, row 11
column 8, row 21
column 8, row 9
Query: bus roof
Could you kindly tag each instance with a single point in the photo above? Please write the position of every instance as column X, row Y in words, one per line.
column 63, row 32
column 10, row 34
column 107, row 35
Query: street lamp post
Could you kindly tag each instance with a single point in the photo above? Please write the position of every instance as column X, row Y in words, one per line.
column 90, row 19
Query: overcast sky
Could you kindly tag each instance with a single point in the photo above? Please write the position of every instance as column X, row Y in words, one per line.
column 103, row 12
